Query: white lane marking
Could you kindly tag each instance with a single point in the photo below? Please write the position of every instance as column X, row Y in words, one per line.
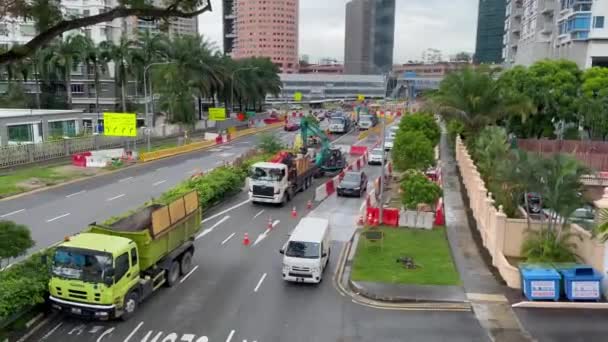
column 107, row 332
column 258, row 214
column 76, row 194
column 161, row 168
column 115, row 197
column 210, row 229
column 12, row 213
column 265, row 233
column 188, row 274
column 125, row 179
column 58, row 217
column 228, row 238
column 219, row 162
column 225, row 211
column 48, row 334
column 134, row 331
column 229, row 338
column 260, row 283
column 159, row 182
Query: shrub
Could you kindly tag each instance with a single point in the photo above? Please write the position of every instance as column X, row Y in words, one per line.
column 424, row 123
column 455, row 127
column 270, row 143
column 412, row 150
column 549, row 246
column 15, row 240
column 418, row 189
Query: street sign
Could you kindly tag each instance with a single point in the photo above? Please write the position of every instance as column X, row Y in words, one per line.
column 297, row 96
column 120, row 124
column 360, row 97
column 217, row 114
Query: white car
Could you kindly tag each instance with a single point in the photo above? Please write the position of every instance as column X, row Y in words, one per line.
column 388, row 143
column 392, row 131
column 375, row 157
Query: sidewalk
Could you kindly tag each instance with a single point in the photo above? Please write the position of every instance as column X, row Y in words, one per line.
column 483, row 290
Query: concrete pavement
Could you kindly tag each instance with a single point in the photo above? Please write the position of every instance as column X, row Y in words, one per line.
column 236, row 293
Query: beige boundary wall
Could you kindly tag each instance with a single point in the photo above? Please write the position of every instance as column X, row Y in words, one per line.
column 503, row 237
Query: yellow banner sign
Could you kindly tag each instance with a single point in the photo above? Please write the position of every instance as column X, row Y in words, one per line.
column 217, row 114
column 120, row 124
column 360, row 97
column 297, row 96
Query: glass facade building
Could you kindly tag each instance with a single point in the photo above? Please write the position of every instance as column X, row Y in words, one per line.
column 490, row 31
column 384, row 35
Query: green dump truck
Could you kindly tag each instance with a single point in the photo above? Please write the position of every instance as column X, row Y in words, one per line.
column 106, row 271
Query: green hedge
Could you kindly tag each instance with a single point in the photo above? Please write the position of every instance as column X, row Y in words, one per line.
column 23, row 286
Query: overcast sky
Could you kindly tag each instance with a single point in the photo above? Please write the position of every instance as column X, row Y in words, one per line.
column 447, row 25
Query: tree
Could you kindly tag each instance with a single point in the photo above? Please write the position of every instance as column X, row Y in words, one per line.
column 489, row 148
column 418, row 189
column 412, row 150
column 270, row 143
column 15, row 240
column 476, row 98
column 62, row 57
column 463, row 56
column 94, row 58
column 50, row 22
column 15, row 97
column 593, row 104
column 122, row 55
column 422, row 122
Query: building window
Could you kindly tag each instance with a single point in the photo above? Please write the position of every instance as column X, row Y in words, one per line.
column 598, row 22
column 27, row 30
column 20, row 133
column 3, row 29
column 77, row 88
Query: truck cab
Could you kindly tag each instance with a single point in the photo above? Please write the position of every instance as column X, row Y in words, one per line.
column 268, row 182
column 92, row 273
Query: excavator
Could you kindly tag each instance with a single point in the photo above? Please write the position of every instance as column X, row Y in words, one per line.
column 329, row 160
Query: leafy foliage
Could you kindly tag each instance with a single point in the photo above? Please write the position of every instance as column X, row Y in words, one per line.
column 418, row 189
column 423, row 122
column 270, row 143
column 455, row 127
column 412, row 150
column 489, row 148
column 549, row 246
column 15, row 240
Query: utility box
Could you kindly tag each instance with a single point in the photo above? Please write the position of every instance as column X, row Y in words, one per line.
column 540, row 283
column 582, row 283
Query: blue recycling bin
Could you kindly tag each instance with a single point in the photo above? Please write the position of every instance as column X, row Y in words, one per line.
column 582, row 282
column 540, row 283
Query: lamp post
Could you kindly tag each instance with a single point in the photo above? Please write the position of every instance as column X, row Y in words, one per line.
column 232, row 84
column 149, row 122
column 382, row 178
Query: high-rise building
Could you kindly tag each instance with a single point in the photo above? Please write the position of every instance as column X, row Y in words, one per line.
column 267, row 28
column 570, row 29
column 369, row 36
column 174, row 28
column 229, row 25
column 490, row 30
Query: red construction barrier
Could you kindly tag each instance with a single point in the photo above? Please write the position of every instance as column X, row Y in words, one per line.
column 390, row 217
column 439, row 214
column 219, row 139
column 358, row 150
column 372, row 216
column 271, row 121
column 330, row 187
column 80, row 159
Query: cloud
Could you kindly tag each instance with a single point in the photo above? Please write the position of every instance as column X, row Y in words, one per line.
column 447, row 25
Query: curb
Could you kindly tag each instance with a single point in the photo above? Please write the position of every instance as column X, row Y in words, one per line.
column 561, row 305
column 129, row 167
column 363, row 291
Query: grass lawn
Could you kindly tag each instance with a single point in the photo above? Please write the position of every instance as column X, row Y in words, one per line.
column 14, row 183
column 429, row 249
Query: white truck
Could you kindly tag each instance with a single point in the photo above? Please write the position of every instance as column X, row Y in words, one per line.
column 280, row 179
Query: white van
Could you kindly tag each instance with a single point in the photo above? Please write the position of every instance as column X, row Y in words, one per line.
column 306, row 253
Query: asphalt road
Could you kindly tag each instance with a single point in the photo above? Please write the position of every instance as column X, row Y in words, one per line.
column 236, row 292
column 65, row 210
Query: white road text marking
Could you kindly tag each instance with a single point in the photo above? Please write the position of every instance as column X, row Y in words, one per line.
column 210, row 229
column 115, row 197
column 260, row 282
column 133, row 332
column 228, row 238
column 107, row 332
column 12, row 213
column 58, row 217
column 188, row 274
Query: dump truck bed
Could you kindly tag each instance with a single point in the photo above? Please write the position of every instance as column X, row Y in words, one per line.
column 158, row 229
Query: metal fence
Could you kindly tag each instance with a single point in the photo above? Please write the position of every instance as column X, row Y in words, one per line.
column 31, row 153
column 593, row 154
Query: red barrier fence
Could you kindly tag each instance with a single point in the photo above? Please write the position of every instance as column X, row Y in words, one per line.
column 330, row 187
column 358, row 150
column 390, row 217
column 80, row 159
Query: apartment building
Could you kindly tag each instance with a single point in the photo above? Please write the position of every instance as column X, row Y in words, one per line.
column 556, row 29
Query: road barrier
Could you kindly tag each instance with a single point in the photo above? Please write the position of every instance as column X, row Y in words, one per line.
column 358, row 150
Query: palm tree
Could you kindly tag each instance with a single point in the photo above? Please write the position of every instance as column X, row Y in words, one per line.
column 475, row 97
column 62, row 57
column 94, row 58
column 122, row 55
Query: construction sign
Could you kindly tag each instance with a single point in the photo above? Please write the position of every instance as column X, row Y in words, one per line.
column 297, row 96
column 120, row 124
column 361, row 98
column 217, row 114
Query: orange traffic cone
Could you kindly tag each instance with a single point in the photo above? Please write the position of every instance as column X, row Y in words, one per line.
column 270, row 223
column 309, row 205
column 246, row 241
column 294, row 213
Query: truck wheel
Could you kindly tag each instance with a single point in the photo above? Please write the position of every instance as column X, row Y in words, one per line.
column 185, row 264
column 129, row 305
column 173, row 274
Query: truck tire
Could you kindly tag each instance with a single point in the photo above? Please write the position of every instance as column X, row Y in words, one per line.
column 185, row 264
column 173, row 274
column 130, row 305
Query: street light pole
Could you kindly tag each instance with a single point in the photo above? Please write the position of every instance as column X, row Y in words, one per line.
column 232, row 84
column 148, row 117
column 382, row 177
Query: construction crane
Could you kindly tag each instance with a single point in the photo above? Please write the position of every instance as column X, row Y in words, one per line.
column 328, row 159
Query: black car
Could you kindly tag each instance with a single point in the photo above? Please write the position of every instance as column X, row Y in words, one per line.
column 353, row 184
